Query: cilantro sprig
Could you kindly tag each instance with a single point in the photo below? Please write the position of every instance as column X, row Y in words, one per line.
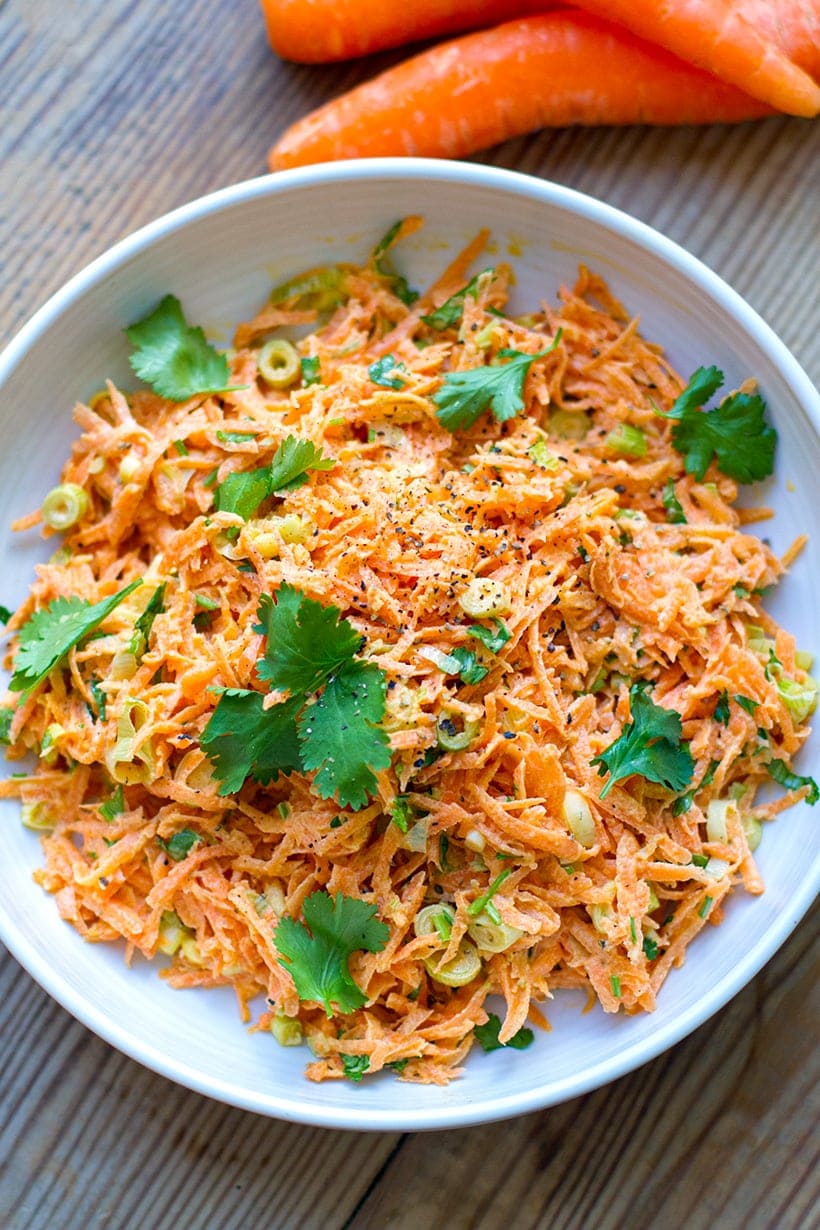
column 451, row 311
column 464, row 396
column 180, row 844
column 388, row 373
column 50, row 635
column 310, row 650
column 144, row 622
column 492, row 640
column 780, row 772
column 487, row 1036
column 316, row 952
column 176, row 358
column 650, row 745
column 244, row 491
column 735, row 433
column 381, row 263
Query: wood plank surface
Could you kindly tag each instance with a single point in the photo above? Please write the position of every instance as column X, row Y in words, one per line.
column 113, row 113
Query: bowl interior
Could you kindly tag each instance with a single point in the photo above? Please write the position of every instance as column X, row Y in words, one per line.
column 221, row 257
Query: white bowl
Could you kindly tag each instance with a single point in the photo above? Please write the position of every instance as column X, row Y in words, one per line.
column 220, row 256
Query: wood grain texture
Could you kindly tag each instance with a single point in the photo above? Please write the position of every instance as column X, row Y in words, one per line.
column 114, row 113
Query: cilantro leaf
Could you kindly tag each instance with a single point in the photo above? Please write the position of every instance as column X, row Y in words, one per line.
column 721, row 711
column 355, row 1066
column 244, row 491
column 180, row 845
column 398, row 283
column 464, row 396
column 401, row 813
column 291, row 462
column 114, row 805
column 308, row 647
column 494, row 641
column 142, row 626
column 5, row 614
column 702, row 385
column 649, row 745
column 451, row 310
column 46, row 638
column 175, row 358
column 487, row 1036
column 650, row 947
column 782, row 774
column 307, row 642
column 317, row 958
column 380, row 372
column 747, row 704
column 470, row 669
column 735, row 433
column 311, row 373
column 99, row 698
column 684, row 803
column 6, row 719
column 245, row 740
column 339, row 734
column 674, row 510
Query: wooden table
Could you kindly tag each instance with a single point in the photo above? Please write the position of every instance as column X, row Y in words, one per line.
column 114, row 113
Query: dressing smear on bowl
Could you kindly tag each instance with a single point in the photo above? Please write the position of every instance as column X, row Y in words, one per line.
column 417, row 660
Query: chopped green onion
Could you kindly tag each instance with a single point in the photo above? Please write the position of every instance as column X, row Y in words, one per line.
column 287, row 1030
column 456, row 973
column 311, row 373
column 235, row 437
column 626, row 441
column 64, row 506
column 615, row 983
column 569, row 424
column 278, row 363
column 480, row 903
column 799, row 698
column 181, row 448
column 322, row 289
column 450, row 738
column 541, row 455
column 705, row 907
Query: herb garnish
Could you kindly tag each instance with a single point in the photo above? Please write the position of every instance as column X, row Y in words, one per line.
column 316, row 955
column 649, row 745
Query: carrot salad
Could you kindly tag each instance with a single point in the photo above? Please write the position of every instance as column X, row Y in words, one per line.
column 414, row 660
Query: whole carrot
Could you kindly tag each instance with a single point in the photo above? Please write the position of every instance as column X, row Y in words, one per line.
column 767, row 48
column 546, row 71
column 318, row 31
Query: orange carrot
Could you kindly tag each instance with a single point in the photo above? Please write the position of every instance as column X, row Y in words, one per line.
column 546, row 71
column 318, row 31
column 768, row 48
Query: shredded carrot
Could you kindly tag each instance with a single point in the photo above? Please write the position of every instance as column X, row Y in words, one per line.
column 600, row 587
